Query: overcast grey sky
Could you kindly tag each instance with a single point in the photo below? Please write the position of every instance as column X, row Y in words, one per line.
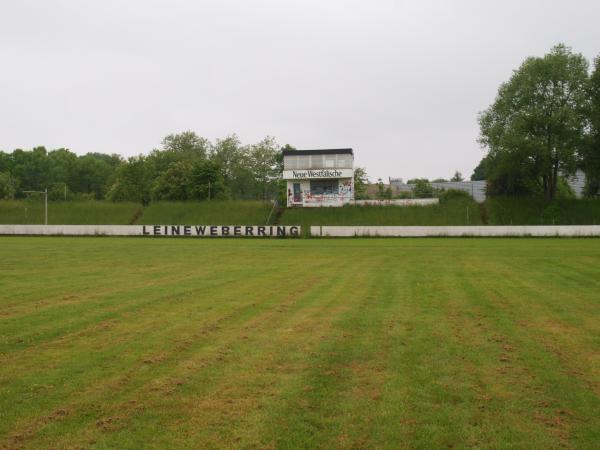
column 401, row 82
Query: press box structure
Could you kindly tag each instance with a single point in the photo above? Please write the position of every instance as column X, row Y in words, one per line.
column 319, row 177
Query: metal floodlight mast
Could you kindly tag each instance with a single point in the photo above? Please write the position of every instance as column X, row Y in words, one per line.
column 45, row 192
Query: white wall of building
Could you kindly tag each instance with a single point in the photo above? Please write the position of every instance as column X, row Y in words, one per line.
column 476, row 189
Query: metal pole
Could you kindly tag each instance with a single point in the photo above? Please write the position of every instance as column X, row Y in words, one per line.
column 209, row 190
column 65, row 192
column 46, row 206
column 45, row 192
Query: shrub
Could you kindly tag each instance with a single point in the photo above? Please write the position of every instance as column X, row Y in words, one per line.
column 451, row 194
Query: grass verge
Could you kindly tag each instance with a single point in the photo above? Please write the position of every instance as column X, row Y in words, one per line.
column 233, row 212
column 84, row 212
column 537, row 211
column 453, row 211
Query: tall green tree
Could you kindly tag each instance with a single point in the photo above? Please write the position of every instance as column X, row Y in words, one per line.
column 31, row 168
column 228, row 154
column 175, row 183
column 63, row 169
column 5, row 161
column 457, row 176
column 263, row 159
column 235, row 162
column 361, row 182
column 538, row 119
column 7, row 186
column 591, row 156
column 207, row 181
column 91, row 176
column 504, row 177
column 133, row 181
column 481, row 172
column 186, row 146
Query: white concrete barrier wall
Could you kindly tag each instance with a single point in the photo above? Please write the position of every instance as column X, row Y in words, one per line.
column 153, row 230
column 294, row 231
column 71, row 230
column 441, row 231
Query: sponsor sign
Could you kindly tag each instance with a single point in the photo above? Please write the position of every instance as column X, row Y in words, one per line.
column 221, row 230
column 309, row 174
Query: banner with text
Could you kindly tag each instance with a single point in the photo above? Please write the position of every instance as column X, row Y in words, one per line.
column 310, row 174
column 221, row 230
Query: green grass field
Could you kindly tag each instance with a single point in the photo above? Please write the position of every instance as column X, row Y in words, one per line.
column 84, row 212
column 362, row 343
column 534, row 211
column 91, row 212
column 238, row 212
column 454, row 211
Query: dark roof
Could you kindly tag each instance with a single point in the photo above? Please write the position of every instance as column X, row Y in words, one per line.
column 325, row 151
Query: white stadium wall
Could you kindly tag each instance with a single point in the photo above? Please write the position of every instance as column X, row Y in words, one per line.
column 258, row 231
column 274, row 231
column 457, row 231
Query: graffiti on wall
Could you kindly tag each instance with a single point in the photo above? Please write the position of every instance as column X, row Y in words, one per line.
column 344, row 195
column 305, row 197
column 345, row 188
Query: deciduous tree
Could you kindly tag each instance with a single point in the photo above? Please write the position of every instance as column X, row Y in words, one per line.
column 457, row 176
column 133, row 181
column 361, row 182
column 591, row 156
column 538, row 119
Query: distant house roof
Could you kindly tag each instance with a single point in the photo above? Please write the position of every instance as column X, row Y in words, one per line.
column 325, row 151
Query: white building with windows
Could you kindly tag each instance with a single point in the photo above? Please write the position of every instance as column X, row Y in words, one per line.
column 319, row 177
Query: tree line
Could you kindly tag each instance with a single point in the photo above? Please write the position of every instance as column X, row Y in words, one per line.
column 543, row 126
column 186, row 167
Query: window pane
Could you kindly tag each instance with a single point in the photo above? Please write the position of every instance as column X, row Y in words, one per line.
column 290, row 162
column 320, row 187
column 316, row 162
column 303, row 162
column 344, row 162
